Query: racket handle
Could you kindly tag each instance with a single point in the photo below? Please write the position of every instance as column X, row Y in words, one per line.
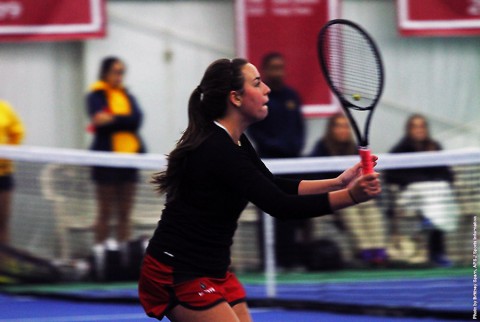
column 367, row 164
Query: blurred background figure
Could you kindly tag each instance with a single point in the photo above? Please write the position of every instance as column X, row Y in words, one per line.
column 11, row 132
column 424, row 192
column 365, row 222
column 116, row 119
column 282, row 135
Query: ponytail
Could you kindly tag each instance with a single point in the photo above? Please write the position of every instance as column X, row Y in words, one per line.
column 207, row 103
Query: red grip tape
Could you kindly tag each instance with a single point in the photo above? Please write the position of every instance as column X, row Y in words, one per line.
column 367, row 164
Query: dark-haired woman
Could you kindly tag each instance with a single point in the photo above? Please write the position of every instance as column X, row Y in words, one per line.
column 211, row 175
column 425, row 190
column 116, row 119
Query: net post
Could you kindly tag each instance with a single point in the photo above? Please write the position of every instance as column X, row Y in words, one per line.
column 269, row 256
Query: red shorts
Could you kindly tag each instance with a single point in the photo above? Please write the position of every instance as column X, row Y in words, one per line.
column 159, row 294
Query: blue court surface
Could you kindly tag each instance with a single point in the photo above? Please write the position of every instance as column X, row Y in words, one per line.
column 382, row 295
column 29, row 309
column 435, row 294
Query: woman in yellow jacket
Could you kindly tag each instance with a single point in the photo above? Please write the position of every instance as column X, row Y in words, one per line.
column 11, row 132
column 116, row 119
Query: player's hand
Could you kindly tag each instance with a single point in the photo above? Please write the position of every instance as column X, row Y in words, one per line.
column 102, row 118
column 348, row 177
column 365, row 188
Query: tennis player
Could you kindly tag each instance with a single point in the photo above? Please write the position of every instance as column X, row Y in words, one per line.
column 211, row 176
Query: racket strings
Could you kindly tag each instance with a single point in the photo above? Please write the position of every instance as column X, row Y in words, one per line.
column 352, row 64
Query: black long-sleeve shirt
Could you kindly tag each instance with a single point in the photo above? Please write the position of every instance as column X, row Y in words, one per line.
column 196, row 230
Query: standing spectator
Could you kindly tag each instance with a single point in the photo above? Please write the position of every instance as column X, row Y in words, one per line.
column 281, row 135
column 116, row 119
column 417, row 186
column 364, row 222
column 11, row 132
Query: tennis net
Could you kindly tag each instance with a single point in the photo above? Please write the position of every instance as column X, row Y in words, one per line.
column 422, row 231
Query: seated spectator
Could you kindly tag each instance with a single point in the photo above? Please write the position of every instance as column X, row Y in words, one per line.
column 425, row 192
column 364, row 222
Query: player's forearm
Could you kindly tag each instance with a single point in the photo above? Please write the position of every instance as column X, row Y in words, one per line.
column 340, row 199
column 312, row 187
column 365, row 188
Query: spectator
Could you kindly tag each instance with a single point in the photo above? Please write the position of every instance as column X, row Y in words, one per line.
column 116, row 119
column 364, row 222
column 11, row 132
column 281, row 135
column 417, row 186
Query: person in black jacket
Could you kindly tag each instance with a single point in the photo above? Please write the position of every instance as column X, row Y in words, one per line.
column 115, row 122
column 211, row 176
column 282, row 133
column 418, row 184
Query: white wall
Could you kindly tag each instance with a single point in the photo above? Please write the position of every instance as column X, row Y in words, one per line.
column 167, row 46
column 438, row 77
column 42, row 81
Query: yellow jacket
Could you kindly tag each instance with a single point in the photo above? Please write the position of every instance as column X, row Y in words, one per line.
column 122, row 134
column 11, row 132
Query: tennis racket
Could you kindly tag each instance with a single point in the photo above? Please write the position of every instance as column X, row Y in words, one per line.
column 352, row 66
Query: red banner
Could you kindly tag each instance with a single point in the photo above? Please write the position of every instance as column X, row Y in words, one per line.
column 51, row 19
column 291, row 28
column 438, row 17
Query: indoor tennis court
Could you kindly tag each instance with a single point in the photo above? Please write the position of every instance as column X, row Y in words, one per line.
column 439, row 294
column 96, row 94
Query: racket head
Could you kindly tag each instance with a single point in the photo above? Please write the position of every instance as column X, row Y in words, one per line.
column 351, row 64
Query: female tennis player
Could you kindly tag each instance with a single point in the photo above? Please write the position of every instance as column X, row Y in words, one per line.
column 211, row 175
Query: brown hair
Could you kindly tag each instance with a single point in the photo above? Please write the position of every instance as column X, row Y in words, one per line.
column 332, row 145
column 426, row 145
column 105, row 66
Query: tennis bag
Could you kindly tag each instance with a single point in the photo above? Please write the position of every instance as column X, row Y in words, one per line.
column 113, row 263
column 19, row 266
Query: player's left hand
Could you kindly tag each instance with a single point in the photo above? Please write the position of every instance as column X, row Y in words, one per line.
column 348, row 177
